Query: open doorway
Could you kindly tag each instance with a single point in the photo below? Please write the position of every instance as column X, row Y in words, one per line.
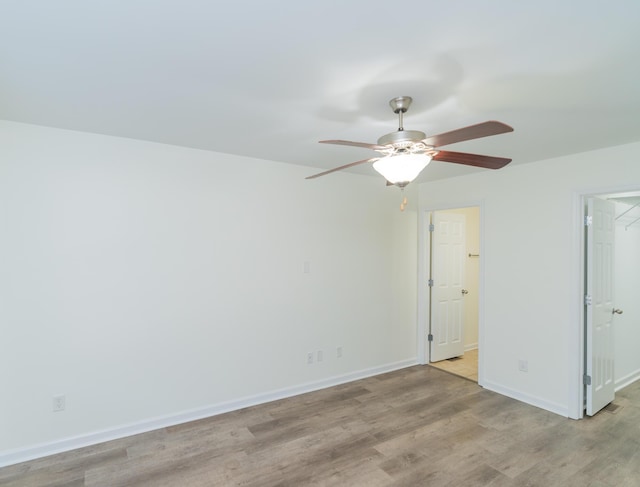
column 611, row 308
column 454, row 290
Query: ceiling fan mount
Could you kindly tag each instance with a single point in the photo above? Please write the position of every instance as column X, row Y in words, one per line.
column 403, row 154
column 400, row 104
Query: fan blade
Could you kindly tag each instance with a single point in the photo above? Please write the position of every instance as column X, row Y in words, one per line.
column 341, row 167
column 468, row 133
column 354, row 144
column 488, row 162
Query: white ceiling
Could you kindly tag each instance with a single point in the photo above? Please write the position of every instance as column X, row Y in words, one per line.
column 270, row 79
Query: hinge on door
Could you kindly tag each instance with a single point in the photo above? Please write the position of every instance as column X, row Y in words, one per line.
column 430, row 337
column 586, row 380
column 588, row 220
column 430, row 282
column 431, row 227
column 587, row 299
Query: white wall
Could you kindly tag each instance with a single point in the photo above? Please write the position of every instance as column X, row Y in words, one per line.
column 152, row 284
column 532, row 296
column 626, row 287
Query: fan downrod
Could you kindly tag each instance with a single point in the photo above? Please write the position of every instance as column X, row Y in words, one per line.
column 400, row 104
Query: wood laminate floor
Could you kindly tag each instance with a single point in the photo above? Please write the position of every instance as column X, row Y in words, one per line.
column 418, row 426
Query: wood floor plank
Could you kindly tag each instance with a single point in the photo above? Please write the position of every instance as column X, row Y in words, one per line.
column 414, row 427
column 69, row 470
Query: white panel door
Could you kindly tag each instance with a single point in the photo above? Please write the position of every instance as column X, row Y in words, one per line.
column 448, row 247
column 599, row 353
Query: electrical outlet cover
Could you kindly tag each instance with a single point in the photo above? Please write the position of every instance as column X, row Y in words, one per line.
column 59, row 403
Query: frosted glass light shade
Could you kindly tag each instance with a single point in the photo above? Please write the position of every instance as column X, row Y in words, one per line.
column 401, row 168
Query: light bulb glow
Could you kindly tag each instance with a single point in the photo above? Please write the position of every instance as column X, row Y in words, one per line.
column 401, row 168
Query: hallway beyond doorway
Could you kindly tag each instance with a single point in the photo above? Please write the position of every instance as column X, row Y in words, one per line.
column 464, row 366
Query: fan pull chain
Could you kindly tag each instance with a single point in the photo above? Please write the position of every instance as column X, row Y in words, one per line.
column 403, row 205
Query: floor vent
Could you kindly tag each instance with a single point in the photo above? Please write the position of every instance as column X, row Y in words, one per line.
column 612, row 408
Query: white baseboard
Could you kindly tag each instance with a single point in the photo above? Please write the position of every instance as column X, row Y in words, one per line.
column 471, row 346
column 12, row 457
column 627, row 380
column 560, row 409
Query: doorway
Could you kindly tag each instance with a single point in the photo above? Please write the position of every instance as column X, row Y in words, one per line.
column 453, row 291
column 615, row 354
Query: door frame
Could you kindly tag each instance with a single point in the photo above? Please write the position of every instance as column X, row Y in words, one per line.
column 577, row 346
column 424, row 268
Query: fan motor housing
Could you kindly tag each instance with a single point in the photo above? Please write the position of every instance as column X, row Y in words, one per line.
column 402, row 138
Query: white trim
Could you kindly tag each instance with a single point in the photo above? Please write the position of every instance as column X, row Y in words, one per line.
column 577, row 342
column 12, row 457
column 628, row 379
column 471, row 346
column 423, row 289
column 553, row 407
column 481, row 296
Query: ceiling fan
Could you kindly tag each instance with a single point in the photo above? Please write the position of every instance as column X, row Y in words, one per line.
column 405, row 153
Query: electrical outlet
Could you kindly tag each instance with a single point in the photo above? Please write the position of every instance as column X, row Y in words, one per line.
column 523, row 366
column 319, row 355
column 309, row 358
column 339, row 352
column 59, row 403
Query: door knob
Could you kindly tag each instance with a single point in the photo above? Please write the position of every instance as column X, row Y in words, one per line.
column 464, row 291
column 617, row 311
